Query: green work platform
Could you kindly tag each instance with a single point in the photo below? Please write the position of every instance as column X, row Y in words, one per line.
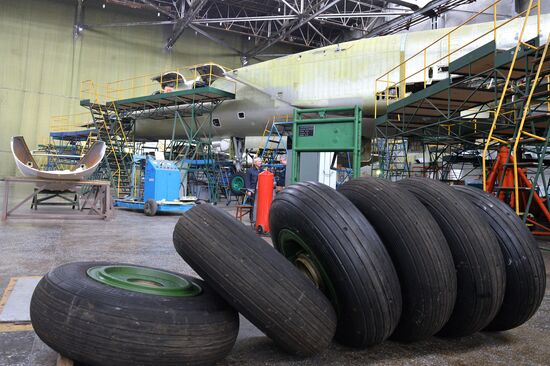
column 451, row 109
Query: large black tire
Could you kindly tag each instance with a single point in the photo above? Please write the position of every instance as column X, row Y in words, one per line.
column 525, row 272
column 98, row 324
column 259, row 282
column 481, row 276
column 318, row 228
column 419, row 252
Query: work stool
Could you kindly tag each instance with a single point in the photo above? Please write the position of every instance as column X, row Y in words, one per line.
column 243, row 208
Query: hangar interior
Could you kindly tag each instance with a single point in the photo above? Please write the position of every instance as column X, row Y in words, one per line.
column 281, row 182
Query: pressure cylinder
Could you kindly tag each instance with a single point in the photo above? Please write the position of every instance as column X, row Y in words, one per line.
column 264, row 197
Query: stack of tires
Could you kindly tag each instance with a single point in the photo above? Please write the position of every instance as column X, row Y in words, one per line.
column 371, row 261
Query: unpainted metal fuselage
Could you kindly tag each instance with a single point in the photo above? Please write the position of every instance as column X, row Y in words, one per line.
column 339, row 75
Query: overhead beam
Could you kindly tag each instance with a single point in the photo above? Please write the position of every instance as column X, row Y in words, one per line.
column 157, row 8
column 129, row 24
column 214, row 39
column 403, row 22
column 406, row 4
column 184, row 21
column 78, row 18
column 291, row 27
column 293, row 17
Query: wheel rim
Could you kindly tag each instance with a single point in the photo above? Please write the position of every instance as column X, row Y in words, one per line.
column 237, row 183
column 296, row 250
column 144, row 280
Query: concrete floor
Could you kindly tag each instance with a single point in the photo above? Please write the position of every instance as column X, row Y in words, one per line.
column 34, row 247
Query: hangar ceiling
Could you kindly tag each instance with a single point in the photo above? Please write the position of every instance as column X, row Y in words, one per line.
column 303, row 23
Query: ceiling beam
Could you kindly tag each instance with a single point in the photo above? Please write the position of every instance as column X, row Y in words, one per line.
column 157, row 8
column 78, row 18
column 293, row 17
column 184, row 21
column 214, row 39
column 404, row 22
column 320, row 7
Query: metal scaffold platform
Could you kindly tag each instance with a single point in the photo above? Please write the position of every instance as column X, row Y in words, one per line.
column 189, row 105
column 493, row 101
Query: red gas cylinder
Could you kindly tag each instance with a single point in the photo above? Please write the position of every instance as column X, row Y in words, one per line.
column 264, row 197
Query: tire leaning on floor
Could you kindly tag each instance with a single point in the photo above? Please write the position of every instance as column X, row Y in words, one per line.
column 525, row 272
column 256, row 280
column 323, row 234
column 419, row 252
column 481, row 276
column 118, row 314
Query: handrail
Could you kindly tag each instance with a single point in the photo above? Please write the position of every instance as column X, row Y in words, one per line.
column 392, row 86
column 523, row 117
column 187, row 77
column 270, row 122
column 69, row 122
column 497, row 113
column 97, row 102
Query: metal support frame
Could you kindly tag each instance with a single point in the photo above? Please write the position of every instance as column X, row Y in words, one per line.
column 432, row 9
column 94, row 198
column 185, row 20
column 502, row 105
column 327, row 130
column 303, row 23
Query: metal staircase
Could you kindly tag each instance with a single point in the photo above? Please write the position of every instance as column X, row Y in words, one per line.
column 393, row 158
column 113, row 130
column 272, row 142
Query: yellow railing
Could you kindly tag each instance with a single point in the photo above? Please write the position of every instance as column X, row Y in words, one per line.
column 395, row 90
column 526, row 109
column 187, row 77
column 71, row 122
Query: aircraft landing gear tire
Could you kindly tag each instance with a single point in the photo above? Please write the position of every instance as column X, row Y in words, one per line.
column 419, row 252
column 101, row 313
column 330, row 241
column 480, row 268
column 525, row 272
column 256, row 280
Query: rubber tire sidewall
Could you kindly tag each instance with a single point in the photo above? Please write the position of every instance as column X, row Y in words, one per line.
column 481, row 276
column 350, row 252
column 525, row 270
column 419, row 252
column 256, row 280
column 97, row 324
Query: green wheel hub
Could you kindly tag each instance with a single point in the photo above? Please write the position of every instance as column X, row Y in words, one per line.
column 296, row 250
column 145, row 280
column 237, row 183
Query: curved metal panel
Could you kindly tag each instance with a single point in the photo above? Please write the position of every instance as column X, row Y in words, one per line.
column 28, row 167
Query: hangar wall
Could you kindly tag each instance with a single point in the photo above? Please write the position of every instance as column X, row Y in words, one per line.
column 42, row 65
